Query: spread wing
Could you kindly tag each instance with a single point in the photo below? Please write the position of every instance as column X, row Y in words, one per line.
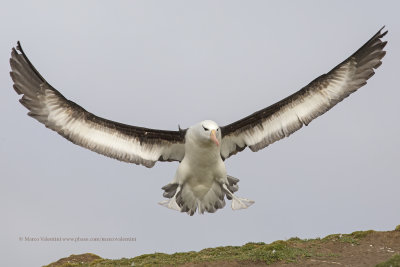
column 275, row 122
column 116, row 140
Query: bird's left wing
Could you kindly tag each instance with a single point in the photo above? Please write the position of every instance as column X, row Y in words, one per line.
column 288, row 115
column 116, row 140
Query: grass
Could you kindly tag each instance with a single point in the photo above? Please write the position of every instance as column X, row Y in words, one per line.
column 254, row 252
column 352, row 238
column 287, row 251
column 291, row 250
column 392, row 262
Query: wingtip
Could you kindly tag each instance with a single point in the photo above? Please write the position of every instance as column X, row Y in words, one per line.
column 18, row 47
column 380, row 34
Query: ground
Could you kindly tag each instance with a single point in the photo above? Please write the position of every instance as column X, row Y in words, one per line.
column 362, row 248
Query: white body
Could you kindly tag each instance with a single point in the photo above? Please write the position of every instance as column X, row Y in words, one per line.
column 201, row 176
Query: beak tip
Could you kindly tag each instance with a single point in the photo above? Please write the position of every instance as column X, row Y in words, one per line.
column 214, row 137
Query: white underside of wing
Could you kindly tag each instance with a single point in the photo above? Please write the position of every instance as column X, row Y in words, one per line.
column 294, row 115
column 104, row 140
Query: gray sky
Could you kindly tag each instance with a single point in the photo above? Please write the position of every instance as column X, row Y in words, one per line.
column 162, row 63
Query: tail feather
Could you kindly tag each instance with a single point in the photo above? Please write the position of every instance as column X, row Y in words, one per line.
column 184, row 198
column 213, row 200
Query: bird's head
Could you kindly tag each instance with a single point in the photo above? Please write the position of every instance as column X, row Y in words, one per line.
column 208, row 132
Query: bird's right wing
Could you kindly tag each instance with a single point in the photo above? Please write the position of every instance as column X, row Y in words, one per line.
column 116, row 140
column 275, row 122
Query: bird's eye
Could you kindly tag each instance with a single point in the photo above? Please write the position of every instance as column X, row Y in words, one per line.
column 217, row 129
column 205, row 129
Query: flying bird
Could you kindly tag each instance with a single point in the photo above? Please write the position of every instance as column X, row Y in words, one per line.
column 201, row 182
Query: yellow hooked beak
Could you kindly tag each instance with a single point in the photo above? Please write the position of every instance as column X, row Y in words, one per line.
column 213, row 137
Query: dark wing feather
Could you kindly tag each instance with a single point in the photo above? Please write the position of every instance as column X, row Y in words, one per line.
column 116, row 140
column 275, row 122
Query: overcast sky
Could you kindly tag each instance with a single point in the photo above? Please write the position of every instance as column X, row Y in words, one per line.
column 162, row 63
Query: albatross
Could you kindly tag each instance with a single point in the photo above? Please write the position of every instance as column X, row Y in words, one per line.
column 201, row 182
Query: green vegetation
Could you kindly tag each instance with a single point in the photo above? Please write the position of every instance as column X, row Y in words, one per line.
column 291, row 250
column 250, row 252
column 392, row 262
column 287, row 251
column 352, row 238
column 75, row 260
